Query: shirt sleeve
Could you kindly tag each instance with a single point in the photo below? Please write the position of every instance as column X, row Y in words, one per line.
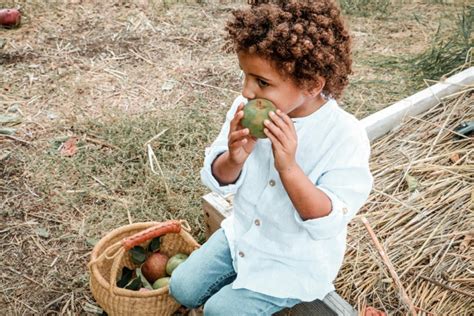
column 219, row 146
column 347, row 182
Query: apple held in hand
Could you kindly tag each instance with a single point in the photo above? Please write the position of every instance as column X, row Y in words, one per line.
column 255, row 112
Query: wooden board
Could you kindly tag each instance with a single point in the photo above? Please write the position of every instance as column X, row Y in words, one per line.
column 332, row 305
column 385, row 120
column 216, row 208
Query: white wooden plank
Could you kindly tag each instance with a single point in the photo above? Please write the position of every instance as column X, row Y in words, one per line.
column 385, row 120
column 219, row 203
column 216, row 209
column 336, row 303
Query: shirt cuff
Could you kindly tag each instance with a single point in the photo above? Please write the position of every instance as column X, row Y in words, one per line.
column 327, row 226
column 211, row 182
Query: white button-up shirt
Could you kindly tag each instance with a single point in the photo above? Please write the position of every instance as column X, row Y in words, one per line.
column 274, row 251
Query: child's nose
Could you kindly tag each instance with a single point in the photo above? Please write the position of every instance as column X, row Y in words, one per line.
column 247, row 91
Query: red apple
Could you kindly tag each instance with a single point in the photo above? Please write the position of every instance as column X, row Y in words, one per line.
column 154, row 267
column 10, row 17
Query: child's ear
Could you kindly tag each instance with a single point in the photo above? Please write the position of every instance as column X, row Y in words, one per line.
column 318, row 86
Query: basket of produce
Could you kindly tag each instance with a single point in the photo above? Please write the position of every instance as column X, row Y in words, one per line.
column 130, row 267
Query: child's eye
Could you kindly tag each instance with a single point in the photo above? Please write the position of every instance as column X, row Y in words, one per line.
column 262, row 83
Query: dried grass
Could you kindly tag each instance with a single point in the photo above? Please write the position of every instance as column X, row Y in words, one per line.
column 422, row 211
column 120, row 76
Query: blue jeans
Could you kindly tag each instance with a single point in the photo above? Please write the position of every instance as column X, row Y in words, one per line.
column 206, row 278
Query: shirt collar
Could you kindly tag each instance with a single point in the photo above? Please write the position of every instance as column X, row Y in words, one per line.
column 321, row 112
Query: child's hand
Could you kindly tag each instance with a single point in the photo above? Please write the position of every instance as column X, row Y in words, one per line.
column 281, row 131
column 240, row 142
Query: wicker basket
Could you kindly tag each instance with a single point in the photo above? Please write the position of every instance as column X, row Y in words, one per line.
column 110, row 255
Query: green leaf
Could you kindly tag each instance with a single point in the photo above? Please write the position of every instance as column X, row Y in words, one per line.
column 135, row 284
column 127, row 275
column 7, row 131
column 145, row 282
column 10, row 119
column 154, row 245
column 42, row 232
column 411, row 182
column 138, row 254
column 91, row 241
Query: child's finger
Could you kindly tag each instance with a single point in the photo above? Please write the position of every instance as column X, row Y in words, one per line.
column 237, row 144
column 277, row 131
column 239, row 114
column 238, row 135
column 275, row 142
column 282, row 120
column 280, row 123
column 285, row 118
column 275, row 118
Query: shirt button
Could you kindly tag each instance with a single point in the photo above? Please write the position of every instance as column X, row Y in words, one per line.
column 272, row 183
column 257, row 222
column 241, row 254
column 344, row 210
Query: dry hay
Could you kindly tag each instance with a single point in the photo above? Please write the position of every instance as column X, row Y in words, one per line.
column 422, row 211
column 117, row 74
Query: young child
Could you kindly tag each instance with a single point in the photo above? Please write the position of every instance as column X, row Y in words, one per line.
column 295, row 191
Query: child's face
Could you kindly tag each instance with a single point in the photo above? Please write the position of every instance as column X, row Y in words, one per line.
column 262, row 80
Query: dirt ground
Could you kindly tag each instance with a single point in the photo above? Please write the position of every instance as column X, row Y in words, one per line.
column 119, row 75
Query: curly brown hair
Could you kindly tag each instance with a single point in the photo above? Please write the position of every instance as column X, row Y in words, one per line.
column 304, row 39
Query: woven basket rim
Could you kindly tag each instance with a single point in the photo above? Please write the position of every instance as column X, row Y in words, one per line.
column 106, row 238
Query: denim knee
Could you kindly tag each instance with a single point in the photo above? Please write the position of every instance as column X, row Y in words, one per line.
column 216, row 306
column 182, row 292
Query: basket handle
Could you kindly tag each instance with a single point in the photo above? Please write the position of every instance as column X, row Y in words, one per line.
column 168, row 227
column 172, row 226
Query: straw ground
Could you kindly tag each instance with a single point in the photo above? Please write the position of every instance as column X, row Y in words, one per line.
column 133, row 81
column 422, row 210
